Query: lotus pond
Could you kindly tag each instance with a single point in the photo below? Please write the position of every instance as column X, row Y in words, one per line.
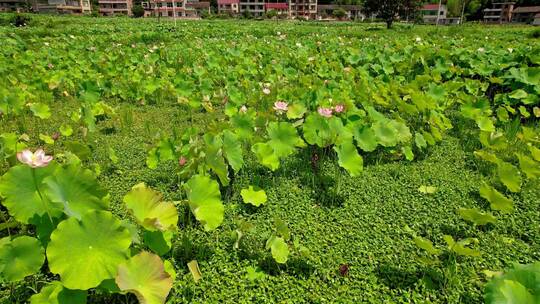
column 268, row 162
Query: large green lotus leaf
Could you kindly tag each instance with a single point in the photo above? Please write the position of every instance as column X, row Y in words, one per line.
column 56, row 293
column 339, row 134
column 349, row 159
column 148, row 209
column 254, row 196
column 520, row 285
column 426, row 245
column 489, row 157
column 509, row 176
column 9, row 144
column 40, row 110
column 477, row 217
column 496, row 199
column 265, row 155
column 402, row 131
column 366, row 139
column 205, row 201
column 243, row 126
column 530, row 167
column 232, row 149
column 214, row 157
column 23, row 191
column 85, row 252
column 279, row 249
column 485, row 124
column 296, row 111
column 324, row 132
column 385, row 133
column 420, row 141
column 535, row 152
column 317, row 130
column 461, row 247
column 145, row 276
column 77, row 190
column 159, row 242
column 283, row 138
column 20, row 258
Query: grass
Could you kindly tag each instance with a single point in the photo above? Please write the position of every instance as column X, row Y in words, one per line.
column 341, row 220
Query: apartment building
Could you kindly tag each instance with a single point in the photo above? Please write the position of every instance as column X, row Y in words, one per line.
column 115, row 7
column 175, row 8
column 525, row 14
column 13, row 6
column 433, row 13
column 500, row 12
column 231, row 7
column 305, row 9
column 281, row 8
column 253, row 7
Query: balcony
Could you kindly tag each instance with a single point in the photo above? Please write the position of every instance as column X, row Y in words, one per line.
column 113, row 10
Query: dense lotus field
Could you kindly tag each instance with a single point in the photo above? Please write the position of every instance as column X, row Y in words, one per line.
column 268, row 162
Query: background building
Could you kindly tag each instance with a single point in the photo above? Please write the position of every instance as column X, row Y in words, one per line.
column 525, row 14
column 353, row 12
column 115, row 7
column 306, row 9
column 500, row 12
column 231, row 7
column 433, row 13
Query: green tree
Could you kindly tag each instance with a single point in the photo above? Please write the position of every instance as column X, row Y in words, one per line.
column 390, row 10
column 339, row 13
column 138, row 11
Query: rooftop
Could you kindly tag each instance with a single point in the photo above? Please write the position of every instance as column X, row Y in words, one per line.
column 430, row 7
column 276, row 5
column 527, row 9
column 228, row 1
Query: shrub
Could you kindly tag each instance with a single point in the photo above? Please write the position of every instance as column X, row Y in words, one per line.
column 339, row 13
column 271, row 14
column 20, row 20
column 138, row 11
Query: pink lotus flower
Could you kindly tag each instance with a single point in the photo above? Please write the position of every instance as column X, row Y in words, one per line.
column 34, row 160
column 281, row 106
column 325, row 112
column 182, row 161
column 339, row 108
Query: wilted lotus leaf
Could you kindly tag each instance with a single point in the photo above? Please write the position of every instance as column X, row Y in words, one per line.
column 205, row 201
column 20, row 258
column 77, row 190
column 22, row 189
column 349, row 159
column 85, row 252
column 55, row 293
column 149, row 210
column 145, row 276
column 253, row 195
